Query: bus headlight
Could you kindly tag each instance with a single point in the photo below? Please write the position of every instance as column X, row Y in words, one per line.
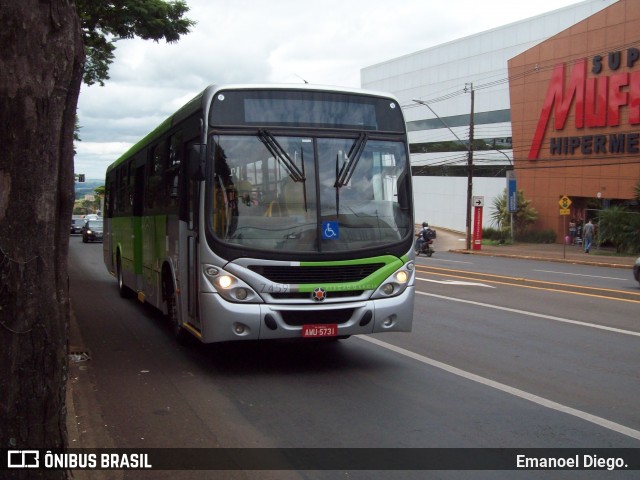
column 230, row 287
column 396, row 283
column 402, row 276
column 211, row 271
column 387, row 288
column 224, row 282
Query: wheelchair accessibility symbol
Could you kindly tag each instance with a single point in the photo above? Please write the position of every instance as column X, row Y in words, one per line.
column 330, row 230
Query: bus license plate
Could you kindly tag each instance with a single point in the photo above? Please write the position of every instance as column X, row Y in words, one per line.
column 314, row 331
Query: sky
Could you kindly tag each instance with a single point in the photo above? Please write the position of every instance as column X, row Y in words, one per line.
column 256, row 41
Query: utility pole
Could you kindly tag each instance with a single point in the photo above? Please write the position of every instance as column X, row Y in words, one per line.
column 470, row 171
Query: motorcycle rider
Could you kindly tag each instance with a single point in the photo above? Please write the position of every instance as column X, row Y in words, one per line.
column 422, row 236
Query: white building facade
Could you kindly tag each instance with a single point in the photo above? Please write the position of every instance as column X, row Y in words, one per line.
column 443, row 77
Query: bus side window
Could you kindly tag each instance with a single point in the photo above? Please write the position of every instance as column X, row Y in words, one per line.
column 108, row 197
column 130, row 186
column 187, row 190
column 119, row 193
column 154, row 195
column 176, row 150
column 172, row 173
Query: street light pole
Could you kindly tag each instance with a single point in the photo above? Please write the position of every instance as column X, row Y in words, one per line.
column 469, row 161
column 422, row 102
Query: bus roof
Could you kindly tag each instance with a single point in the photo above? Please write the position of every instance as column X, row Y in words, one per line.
column 203, row 99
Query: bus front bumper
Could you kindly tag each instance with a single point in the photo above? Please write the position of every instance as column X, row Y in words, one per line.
column 223, row 321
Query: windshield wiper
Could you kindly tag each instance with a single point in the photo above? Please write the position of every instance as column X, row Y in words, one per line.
column 349, row 166
column 346, row 171
column 280, row 153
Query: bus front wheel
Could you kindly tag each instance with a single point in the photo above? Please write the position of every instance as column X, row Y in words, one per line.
column 172, row 307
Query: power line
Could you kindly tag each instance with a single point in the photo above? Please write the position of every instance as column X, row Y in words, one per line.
column 533, row 69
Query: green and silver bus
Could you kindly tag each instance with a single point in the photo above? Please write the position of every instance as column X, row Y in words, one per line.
column 268, row 211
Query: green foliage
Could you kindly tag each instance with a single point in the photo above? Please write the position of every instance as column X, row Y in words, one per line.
column 503, row 237
column 83, row 203
column 522, row 219
column 537, row 236
column 104, row 22
column 495, row 234
column 620, row 227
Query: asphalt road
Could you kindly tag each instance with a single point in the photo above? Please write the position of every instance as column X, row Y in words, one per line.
column 505, row 353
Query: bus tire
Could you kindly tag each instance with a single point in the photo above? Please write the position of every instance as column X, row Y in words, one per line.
column 169, row 295
column 125, row 292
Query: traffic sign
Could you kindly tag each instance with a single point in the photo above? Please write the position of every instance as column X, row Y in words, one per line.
column 565, row 203
column 565, row 211
column 478, row 201
column 512, row 192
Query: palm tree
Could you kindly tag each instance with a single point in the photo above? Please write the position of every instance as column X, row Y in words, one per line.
column 522, row 218
column 621, row 227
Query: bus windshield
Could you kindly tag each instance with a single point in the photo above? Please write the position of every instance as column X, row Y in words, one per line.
column 308, row 194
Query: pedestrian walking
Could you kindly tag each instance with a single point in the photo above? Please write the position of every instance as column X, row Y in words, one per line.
column 587, row 234
column 572, row 231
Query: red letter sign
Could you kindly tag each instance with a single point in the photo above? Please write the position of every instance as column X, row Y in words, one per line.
column 556, row 95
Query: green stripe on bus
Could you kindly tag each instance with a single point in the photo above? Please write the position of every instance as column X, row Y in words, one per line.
column 371, row 282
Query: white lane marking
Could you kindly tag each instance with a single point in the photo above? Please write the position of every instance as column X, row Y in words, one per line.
column 582, row 275
column 603, row 422
column 454, row 282
column 533, row 314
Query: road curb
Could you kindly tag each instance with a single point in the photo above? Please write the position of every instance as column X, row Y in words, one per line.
column 85, row 423
column 547, row 259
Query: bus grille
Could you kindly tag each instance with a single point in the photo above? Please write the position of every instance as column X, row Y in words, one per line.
column 328, row 274
column 316, row 317
column 306, row 295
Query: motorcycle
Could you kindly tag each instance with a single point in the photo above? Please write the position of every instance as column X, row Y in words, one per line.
column 426, row 248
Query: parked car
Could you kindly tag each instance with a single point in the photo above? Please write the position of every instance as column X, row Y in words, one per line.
column 92, row 231
column 76, row 225
column 636, row 270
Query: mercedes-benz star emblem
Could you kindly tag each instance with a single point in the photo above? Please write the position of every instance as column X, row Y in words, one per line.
column 319, row 294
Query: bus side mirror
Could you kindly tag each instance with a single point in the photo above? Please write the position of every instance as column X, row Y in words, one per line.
column 197, row 162
column 403, row 192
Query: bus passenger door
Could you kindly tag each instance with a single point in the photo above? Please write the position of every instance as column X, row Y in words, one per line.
column 188, row 271
column 192, row 247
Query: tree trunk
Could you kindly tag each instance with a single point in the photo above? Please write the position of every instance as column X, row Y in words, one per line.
column 41, row 56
